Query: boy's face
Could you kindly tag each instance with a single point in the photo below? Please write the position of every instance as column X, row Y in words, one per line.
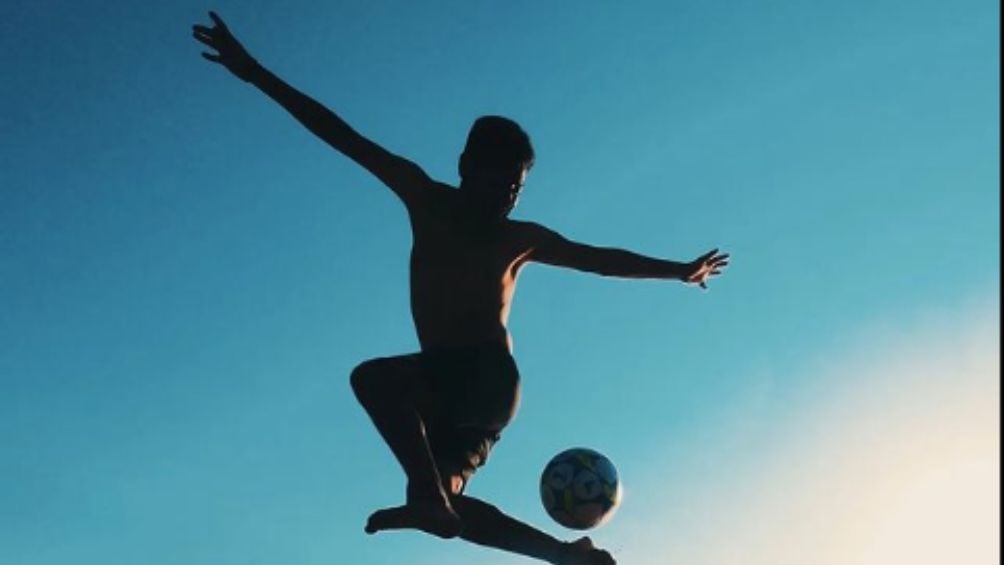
column 495, row 190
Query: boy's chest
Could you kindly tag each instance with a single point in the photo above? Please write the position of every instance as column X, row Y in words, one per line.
column 458, row 254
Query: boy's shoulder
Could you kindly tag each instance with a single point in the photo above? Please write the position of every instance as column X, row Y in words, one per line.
column 527, row 226
column 435, row 198
column 528, row 234
column 529, row 229
column 522, row 228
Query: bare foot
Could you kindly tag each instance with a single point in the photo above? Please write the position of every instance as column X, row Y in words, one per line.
column 431, row 517
column 583, row 552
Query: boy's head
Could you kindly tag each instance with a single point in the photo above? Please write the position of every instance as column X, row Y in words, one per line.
column 494, row 164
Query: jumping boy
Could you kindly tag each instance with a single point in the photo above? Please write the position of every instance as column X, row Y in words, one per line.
column 441, row 410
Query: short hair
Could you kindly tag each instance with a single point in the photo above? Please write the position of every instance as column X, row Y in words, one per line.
column 495, row 141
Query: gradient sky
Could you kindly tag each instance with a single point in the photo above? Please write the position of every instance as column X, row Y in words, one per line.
column 187, row 276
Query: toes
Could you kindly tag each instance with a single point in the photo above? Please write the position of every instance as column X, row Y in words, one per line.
column 582, row 551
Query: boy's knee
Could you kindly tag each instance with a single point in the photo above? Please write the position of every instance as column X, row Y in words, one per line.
column 364, row 379
column 385, row 379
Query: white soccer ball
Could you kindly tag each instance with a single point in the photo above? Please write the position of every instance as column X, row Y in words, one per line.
column 580, row 488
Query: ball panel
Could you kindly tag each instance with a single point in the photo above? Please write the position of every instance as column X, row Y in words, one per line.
column 580, row 488
column 586, row 485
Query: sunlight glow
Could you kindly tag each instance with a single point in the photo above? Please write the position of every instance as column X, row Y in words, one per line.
column 899, row 463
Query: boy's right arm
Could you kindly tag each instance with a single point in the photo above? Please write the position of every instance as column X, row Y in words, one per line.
column 402, row 176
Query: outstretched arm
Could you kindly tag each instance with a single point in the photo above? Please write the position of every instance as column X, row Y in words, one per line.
column 402, row 176
column 551, row 248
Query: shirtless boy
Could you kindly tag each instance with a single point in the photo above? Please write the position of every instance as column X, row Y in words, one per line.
column 441, row 410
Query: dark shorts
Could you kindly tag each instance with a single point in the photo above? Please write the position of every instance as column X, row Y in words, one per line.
column 474, row 395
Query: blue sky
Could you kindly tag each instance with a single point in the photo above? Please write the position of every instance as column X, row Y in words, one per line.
column 187, row 276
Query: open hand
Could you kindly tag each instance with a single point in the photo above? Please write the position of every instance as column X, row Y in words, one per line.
column 230, row 53
column 700, row 270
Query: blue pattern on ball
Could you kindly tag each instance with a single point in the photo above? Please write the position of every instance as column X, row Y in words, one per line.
column 580, row 488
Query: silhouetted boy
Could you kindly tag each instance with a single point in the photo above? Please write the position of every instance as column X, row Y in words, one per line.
column 442, row 410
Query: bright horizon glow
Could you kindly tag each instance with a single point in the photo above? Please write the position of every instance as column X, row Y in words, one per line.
column 899, row 462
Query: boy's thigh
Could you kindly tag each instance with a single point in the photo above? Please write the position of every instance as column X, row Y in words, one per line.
column 400, row 376
column 476, row 395
column 456, row 390
column 472, row 388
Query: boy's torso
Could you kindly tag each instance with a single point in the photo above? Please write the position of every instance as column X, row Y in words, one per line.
column 463, row 272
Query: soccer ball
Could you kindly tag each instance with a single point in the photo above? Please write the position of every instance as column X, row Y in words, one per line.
column 580, row 489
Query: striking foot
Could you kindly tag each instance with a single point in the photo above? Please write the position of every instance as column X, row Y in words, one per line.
column 434, row 518
column 583, row 552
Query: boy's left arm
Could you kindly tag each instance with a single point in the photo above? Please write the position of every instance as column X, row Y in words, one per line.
column 551, row 248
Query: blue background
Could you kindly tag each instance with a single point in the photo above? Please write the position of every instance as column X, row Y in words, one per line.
column 187, row 276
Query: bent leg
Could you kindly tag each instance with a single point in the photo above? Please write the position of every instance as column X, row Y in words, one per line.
column 485, row 524
column 391, row 390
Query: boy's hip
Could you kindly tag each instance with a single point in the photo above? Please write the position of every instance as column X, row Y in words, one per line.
column 473, row 386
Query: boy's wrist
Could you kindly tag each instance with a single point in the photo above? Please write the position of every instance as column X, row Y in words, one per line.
column 251, row 71
column 676, row 271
